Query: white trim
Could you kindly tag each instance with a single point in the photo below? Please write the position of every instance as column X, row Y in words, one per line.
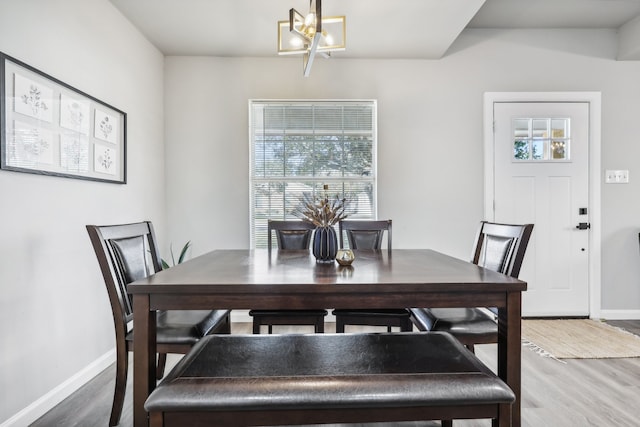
column 45, row 403
column 619, row 315
column 595, row 141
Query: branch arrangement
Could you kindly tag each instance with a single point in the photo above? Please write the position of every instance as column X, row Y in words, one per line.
column 322, row 211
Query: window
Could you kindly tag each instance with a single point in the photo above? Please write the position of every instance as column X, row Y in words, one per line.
column 541, row 139
column 301, row 146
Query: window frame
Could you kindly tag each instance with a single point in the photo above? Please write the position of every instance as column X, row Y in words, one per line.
column 332, row 181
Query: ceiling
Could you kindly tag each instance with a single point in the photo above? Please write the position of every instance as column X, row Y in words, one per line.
column 375, row 28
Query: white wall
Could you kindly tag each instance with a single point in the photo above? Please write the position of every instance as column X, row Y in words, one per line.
column 430, row 152
column 206, row 105
column 55, row 320
column 54, row 315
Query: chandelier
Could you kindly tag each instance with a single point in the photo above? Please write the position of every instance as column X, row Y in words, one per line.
column 311, row 35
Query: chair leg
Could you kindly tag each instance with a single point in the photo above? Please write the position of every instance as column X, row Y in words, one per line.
column 447, row 423
column 471, row 348
column 256, row 326
column 319, row 326
column 122, row 367
column 226, row 329
column 407, row 325
column 162, row 362
column 339, row 325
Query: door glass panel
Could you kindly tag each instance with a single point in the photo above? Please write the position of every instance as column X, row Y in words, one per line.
column 521, row 149
column 538, row 149
column 558, row 150
column 541, row 139
column 540, row 127
column 521, row 128
column 559, row 128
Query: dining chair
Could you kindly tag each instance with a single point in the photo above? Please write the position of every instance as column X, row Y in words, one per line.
column 368, row 235
column 498, row 247
column 129, row 252
column 290, row 235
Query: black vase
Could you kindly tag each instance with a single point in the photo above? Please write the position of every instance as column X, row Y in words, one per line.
column 325, row 244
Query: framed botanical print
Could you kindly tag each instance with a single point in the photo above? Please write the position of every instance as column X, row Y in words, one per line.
column 48, row 127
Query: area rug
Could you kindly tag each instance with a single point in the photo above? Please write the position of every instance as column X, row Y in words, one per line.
column 578, row 339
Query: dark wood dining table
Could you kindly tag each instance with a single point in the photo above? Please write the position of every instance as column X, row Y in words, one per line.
column 261, row 279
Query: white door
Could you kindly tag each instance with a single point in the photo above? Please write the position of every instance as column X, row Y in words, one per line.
column 541, row 161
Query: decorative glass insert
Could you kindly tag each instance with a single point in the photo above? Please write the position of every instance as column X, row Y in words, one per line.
column 541, row 139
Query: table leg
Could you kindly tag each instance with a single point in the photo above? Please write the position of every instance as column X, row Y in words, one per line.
column 144, row 357
column 510, row 350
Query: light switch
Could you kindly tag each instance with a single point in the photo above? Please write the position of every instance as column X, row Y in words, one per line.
column 616, row 177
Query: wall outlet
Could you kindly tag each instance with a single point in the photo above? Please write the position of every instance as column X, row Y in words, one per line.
column 616, row 177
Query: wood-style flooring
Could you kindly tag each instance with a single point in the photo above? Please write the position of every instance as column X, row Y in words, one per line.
column 578, row 393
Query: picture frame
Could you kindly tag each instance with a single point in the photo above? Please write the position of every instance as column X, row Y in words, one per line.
column 48, row 127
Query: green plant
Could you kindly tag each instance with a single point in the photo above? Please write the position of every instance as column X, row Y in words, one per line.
column 183, row 253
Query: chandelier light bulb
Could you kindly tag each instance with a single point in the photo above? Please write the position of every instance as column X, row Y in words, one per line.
column 310, row 20
column 328, row 38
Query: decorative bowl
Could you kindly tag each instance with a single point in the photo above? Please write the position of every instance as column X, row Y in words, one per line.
column 345, row 256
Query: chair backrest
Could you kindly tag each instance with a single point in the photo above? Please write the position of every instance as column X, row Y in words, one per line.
column 501, row 247
column 291, row 235
column 365, row 234
column 125, row 253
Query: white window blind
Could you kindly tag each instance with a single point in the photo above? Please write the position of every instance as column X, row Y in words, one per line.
column 300, row 146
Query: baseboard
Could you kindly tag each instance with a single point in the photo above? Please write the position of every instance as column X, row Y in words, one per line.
column 240, row 316
column 41, row 406
column 619, row 314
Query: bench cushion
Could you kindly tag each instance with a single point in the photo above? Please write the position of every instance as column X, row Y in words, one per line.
column 294, row 372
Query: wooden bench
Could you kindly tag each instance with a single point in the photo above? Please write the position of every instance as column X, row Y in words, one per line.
column 248, row 380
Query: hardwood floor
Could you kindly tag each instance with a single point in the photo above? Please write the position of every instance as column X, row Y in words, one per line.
column 578, row 393
column 632, row 326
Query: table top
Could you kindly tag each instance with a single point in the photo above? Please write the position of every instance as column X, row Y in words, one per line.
column 294, row 271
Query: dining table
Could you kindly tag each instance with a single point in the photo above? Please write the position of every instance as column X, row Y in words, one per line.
column 265, row 279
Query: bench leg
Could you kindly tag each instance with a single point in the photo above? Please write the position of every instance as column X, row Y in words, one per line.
column 504, row 416
column 156, row 419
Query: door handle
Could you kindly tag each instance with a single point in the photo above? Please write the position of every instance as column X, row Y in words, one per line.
column 583, row 226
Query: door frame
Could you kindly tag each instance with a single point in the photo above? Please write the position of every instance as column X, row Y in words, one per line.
column 594, row 99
